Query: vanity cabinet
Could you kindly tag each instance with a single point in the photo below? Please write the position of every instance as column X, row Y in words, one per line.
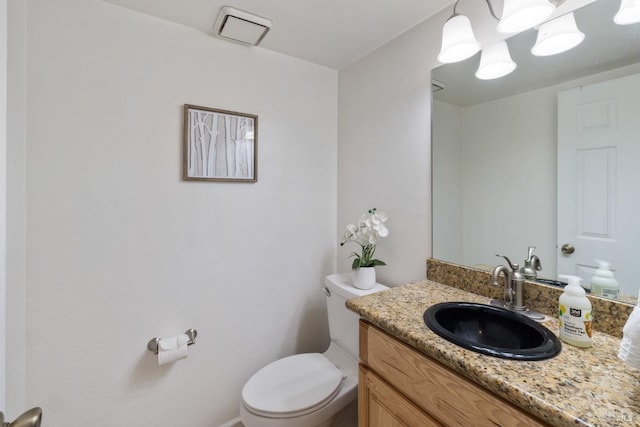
column 399, row 386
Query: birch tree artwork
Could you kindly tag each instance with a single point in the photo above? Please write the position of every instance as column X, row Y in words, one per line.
column 219, row 145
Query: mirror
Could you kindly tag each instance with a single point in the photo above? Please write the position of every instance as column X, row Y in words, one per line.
column 494, row 144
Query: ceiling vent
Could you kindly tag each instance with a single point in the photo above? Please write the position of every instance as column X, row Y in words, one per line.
column 437, row 85
column 240, row 26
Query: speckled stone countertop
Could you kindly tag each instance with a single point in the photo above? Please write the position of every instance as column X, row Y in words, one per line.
column 589, row 387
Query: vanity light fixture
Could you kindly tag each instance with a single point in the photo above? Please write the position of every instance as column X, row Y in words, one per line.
column 458, row 41
column 557, row 35
column 629, row 12
column 495, row 62
column 520, row 15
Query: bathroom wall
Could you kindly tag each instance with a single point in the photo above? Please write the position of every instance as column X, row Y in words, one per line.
column 119, row 249
column 384, row 152
column 447, row 173
column 527, row 148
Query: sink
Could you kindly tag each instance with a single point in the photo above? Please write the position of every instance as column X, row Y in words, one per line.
column 490, row 330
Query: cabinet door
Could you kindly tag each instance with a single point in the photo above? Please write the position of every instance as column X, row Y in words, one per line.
column 380, row 405
column 437, row 390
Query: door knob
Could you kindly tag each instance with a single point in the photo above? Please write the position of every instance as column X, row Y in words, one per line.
column 567, row 249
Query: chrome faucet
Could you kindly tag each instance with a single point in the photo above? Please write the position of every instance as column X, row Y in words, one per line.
column 513, row 284
column 513, row 289
column 531, row 265
column 31, row 418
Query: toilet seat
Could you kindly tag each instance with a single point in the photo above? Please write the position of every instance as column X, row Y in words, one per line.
column 293, row 386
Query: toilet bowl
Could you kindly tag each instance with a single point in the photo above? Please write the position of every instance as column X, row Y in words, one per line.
column 308, row 390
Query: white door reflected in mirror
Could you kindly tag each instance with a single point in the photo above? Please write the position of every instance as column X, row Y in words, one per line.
column 598, row 176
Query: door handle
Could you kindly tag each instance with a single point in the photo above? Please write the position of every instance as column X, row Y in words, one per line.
column 567, row 249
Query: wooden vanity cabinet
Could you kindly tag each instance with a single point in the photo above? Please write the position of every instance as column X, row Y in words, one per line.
column 399, row 386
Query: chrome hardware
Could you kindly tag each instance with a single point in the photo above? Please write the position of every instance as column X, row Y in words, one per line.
column 31, row 418
column 531, row 265
column 326, row 291
column 567, row 249
column 513, row 288
column 152, row 345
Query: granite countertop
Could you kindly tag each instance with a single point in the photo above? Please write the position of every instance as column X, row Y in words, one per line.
column 589, row 387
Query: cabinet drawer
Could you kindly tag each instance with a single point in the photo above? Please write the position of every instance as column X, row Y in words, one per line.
column 444, row 394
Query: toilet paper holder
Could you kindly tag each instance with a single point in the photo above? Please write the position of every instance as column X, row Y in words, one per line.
column 152, row 345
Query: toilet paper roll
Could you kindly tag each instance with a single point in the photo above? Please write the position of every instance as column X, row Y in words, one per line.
column 172, row 349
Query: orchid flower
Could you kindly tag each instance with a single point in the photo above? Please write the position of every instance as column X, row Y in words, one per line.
column 370, row 228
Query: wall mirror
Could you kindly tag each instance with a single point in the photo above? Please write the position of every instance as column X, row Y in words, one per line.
column 495, row 147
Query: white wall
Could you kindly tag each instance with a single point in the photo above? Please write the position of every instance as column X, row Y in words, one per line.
column 119, row 249
column 384, row 151
column 447, row 175
column 509, row 176
column 500, row 189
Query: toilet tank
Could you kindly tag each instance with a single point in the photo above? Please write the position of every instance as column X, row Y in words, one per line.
column 343, row 323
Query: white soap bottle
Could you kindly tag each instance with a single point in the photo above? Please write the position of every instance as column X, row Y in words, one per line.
column 575, row 314
column 603, row 283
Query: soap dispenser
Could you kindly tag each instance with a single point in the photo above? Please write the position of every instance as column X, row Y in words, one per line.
column 575, row 313
column 603, row 283
column 531, row 265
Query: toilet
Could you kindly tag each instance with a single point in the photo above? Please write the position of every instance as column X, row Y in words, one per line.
column 308, row 390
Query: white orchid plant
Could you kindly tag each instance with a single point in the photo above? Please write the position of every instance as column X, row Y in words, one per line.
column 366, row 234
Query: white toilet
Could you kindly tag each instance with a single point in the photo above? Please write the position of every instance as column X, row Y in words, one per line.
column 308, row 390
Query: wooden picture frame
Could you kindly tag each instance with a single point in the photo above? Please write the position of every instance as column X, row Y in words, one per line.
column 220, row 145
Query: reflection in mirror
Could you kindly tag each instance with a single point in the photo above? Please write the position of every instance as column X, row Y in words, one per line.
column 495, row 148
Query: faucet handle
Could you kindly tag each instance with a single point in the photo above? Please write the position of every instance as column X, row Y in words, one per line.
column 535, row 263
column 530, row 252
column 513, row 266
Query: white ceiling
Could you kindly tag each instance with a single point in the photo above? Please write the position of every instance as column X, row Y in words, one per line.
column 333, row 33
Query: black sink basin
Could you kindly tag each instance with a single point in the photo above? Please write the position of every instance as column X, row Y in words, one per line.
column 492, row 330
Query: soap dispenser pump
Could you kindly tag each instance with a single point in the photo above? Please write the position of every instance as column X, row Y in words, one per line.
column 575, row 315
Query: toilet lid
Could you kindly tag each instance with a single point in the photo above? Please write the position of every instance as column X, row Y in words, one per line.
column 294, row 384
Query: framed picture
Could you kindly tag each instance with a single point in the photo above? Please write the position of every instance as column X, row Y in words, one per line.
column 220, row 145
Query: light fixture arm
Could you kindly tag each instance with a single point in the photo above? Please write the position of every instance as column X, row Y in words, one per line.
column 493, row 13
column 455, row 9
column 556, row 3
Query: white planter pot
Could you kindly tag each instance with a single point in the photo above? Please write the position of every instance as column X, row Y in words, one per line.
column 364, row 277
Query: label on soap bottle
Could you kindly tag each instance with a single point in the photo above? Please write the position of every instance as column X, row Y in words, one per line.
column 610, row 293
column 575, row 326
